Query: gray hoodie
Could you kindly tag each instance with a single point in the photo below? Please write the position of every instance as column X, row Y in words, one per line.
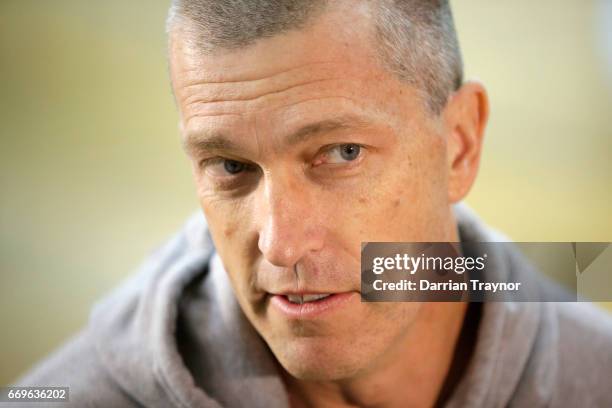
column 173, row 336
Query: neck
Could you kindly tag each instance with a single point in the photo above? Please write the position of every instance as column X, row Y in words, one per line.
column 414, row 373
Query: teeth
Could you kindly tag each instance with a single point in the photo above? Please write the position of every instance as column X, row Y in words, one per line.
column 306, row 298
column 310, row 298
column 295, row 299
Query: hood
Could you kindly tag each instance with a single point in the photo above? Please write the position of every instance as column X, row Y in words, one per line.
column 134, row 330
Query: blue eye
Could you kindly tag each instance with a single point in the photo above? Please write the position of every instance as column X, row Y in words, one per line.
column 344, row 153
column 350, row 152
column 220, row 167
column 233, row 166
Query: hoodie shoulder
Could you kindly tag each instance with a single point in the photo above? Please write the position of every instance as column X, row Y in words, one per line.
column 76, row 365
column 585, row 355
column 115, row 361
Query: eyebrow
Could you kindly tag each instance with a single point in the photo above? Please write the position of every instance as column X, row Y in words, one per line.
column 209, row 142
column 347, row 122
column 219, row 142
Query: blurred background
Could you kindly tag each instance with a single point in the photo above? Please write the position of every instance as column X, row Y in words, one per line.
column 92, row 176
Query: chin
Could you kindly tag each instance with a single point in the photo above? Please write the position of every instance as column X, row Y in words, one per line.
column 319, row 359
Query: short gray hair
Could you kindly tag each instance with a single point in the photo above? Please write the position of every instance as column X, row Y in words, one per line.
column 417, row 38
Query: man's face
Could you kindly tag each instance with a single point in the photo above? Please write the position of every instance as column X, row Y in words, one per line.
column 303, row 147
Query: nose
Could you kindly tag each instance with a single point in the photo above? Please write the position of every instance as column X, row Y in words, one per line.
column 290, row 222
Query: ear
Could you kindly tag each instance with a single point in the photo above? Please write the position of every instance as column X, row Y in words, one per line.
column 465, row 117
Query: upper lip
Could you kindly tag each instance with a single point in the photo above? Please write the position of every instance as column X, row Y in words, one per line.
column 303, row 292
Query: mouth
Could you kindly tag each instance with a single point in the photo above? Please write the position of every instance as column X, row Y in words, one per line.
column 310, row 305
column 300, row 299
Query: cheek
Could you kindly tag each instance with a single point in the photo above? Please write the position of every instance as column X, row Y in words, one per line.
column 406, row 202
column 228, row 222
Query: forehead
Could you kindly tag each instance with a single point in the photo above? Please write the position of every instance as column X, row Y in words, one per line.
column 332, row 64
column 341, row 33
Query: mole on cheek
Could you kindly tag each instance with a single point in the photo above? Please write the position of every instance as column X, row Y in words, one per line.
column 228, row 231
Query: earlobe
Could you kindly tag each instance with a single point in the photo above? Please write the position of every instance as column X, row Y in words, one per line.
column 465, row 116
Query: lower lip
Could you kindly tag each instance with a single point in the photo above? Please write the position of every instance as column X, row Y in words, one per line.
column 309, row 310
